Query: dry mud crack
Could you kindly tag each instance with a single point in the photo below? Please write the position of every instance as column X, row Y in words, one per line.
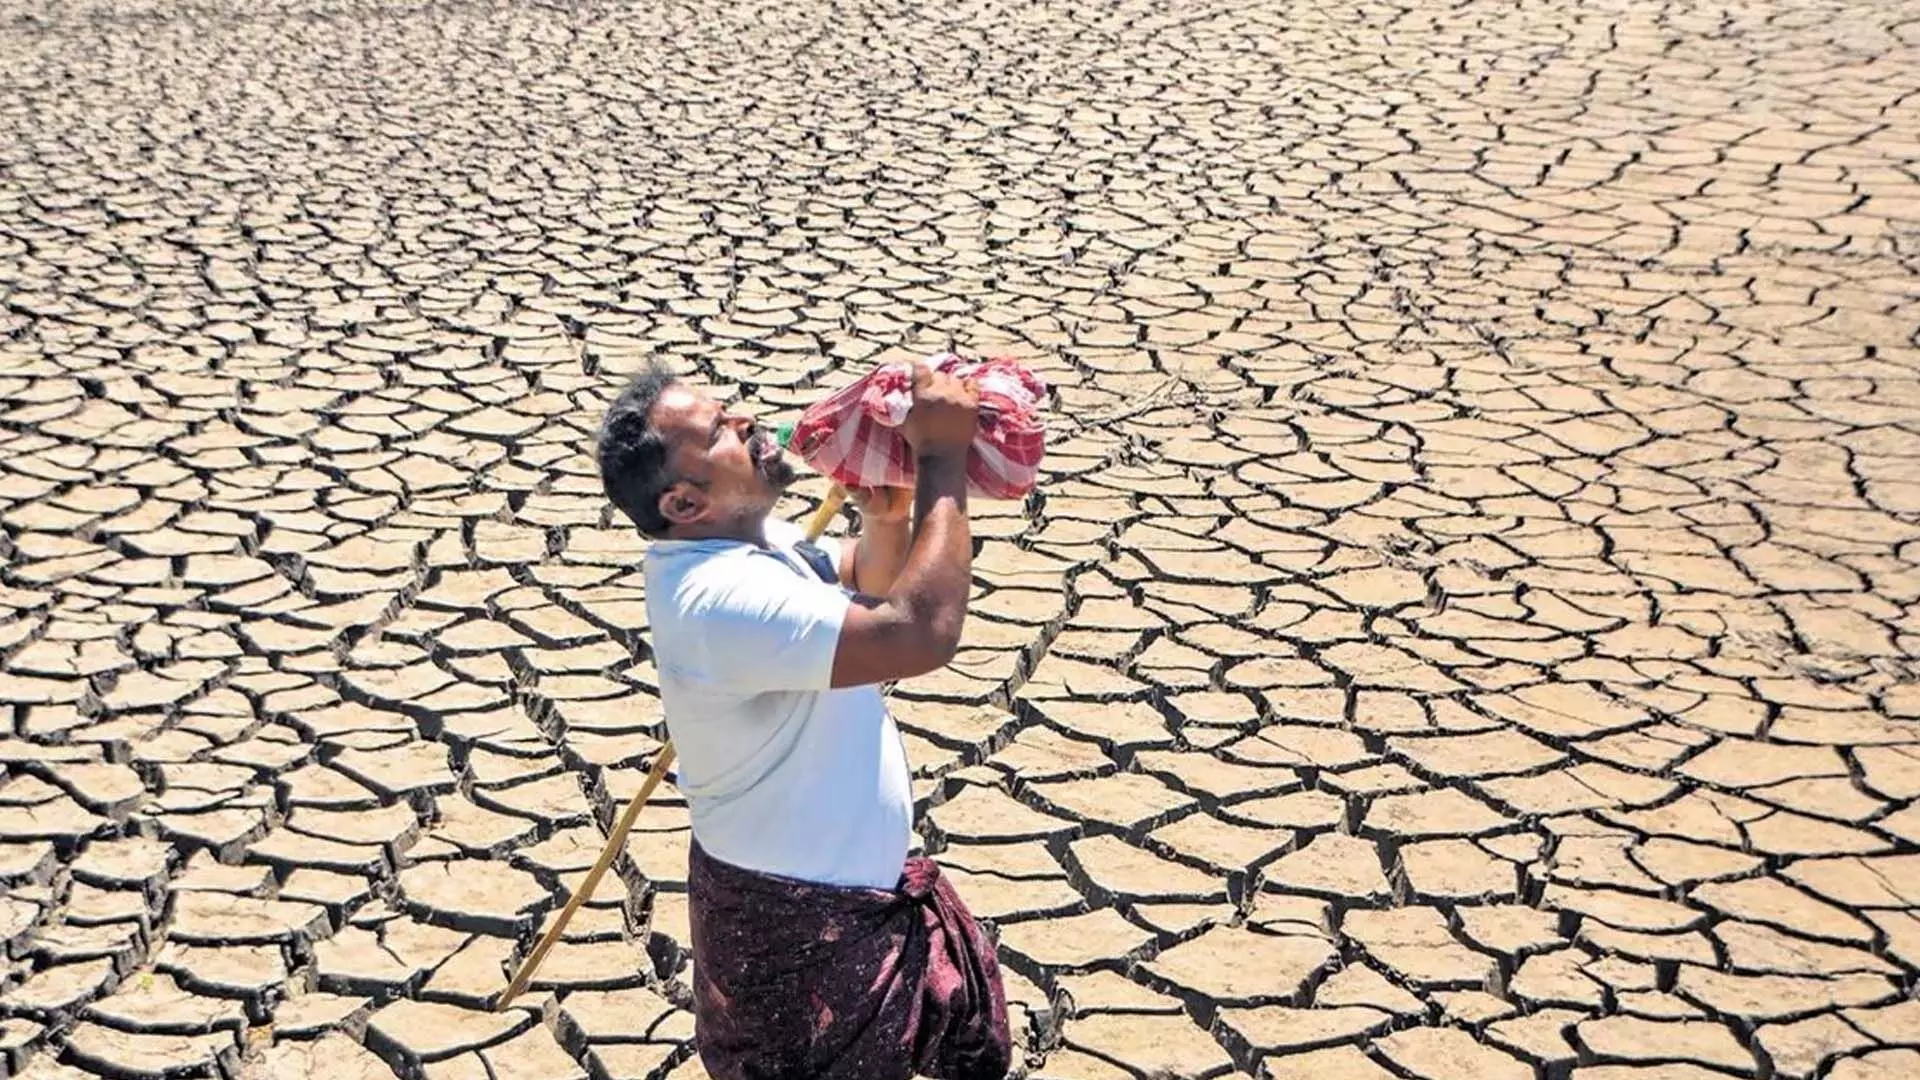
column 1467, row 629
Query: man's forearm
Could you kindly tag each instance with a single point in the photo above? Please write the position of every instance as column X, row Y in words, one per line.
column 936, row 578
column 880, row 555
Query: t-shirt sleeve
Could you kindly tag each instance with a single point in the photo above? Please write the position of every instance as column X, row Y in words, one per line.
column 762, row 627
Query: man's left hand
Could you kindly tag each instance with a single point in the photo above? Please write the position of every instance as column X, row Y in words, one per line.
column 882, row 506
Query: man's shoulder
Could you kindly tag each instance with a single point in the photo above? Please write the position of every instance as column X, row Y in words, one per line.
column 737, row 619
column 741, row 582
column 694, row 577
column 782, row 533
column 717, row 567
column 668, row 562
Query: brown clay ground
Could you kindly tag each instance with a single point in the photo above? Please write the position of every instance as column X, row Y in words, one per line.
column 1468, row 629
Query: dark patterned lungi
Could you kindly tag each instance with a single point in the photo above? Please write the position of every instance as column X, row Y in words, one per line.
column 792, row 979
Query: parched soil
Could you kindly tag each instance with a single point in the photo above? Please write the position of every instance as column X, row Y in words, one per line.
column 1467, row 630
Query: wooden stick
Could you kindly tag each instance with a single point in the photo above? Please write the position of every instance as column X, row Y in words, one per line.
column 607, row 854
column 816, row 527
column 823, row 517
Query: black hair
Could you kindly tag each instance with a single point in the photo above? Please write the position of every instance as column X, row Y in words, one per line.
column 633, row 456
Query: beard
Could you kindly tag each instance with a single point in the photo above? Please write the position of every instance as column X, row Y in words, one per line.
column 770, row 462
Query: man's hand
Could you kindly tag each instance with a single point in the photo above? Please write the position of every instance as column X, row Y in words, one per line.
column 882, row 506
column 945, row 414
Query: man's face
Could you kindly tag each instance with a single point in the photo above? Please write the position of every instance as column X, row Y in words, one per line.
column 729, row 470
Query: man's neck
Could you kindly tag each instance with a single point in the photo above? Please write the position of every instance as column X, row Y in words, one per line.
column 745, row 531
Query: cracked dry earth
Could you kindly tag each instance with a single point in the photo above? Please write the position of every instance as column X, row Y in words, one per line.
column 1467, row 627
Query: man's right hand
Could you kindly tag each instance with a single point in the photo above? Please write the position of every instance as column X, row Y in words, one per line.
column 945, row 413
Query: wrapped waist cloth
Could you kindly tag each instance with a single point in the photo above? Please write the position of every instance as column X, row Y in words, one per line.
column 793, row 979
column 853, row 436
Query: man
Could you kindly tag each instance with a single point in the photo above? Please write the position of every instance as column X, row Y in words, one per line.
column 820, row 949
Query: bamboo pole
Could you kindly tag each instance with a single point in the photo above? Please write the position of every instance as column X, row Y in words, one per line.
column 616, row 839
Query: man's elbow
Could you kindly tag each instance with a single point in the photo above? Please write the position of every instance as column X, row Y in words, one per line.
column 934, row 647
column 891, row 641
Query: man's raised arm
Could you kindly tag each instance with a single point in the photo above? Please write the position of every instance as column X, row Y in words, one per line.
column 915, row 628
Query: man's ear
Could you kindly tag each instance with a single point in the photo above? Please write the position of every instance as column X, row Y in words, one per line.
column 683, row 503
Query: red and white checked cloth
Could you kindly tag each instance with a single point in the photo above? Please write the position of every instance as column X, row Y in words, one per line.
column 854, row 437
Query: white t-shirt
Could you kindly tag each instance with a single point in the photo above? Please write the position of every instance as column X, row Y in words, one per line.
column 783, row 774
